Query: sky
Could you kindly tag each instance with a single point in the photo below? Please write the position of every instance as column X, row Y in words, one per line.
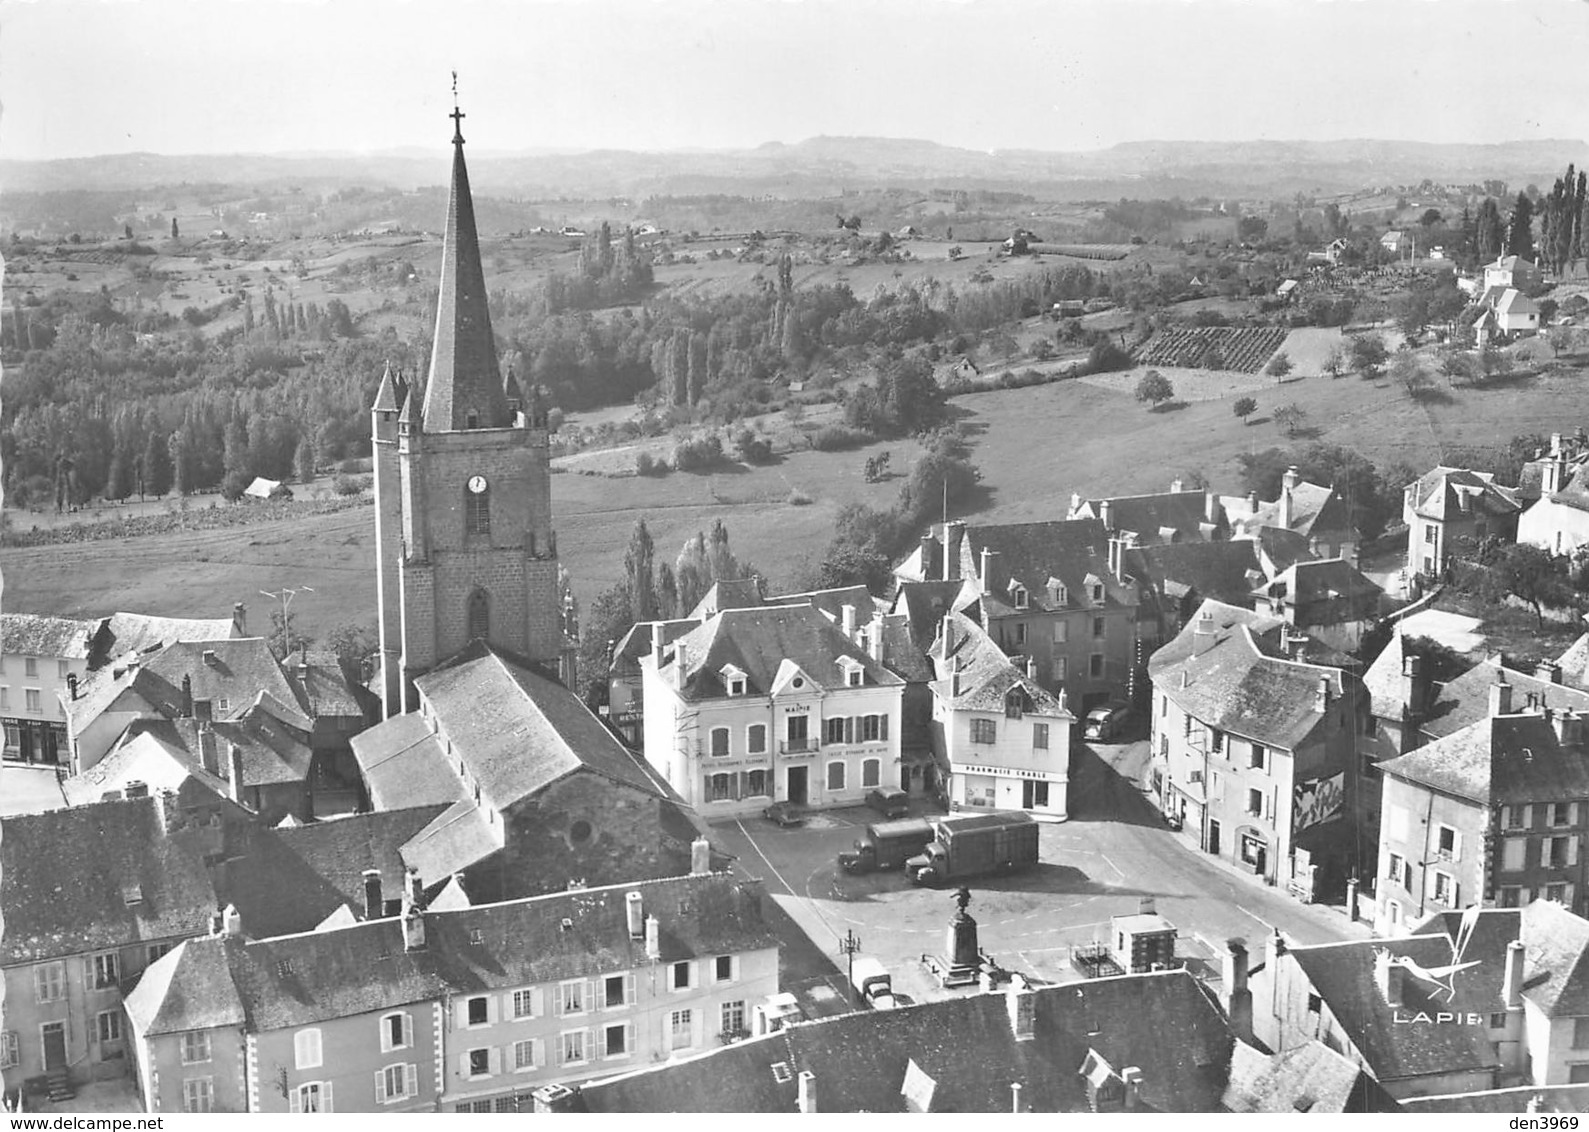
column 85, row 77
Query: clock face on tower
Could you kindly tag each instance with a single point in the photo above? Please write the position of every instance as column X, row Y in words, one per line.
column 477, row 484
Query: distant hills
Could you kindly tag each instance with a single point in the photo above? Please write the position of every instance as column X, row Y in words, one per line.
column 826, row 166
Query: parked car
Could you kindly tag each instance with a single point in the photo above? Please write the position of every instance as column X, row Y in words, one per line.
column 1105, row 723
column 784, row 814
column 889, row 802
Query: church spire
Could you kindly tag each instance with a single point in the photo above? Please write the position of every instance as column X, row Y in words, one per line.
column 465, row 386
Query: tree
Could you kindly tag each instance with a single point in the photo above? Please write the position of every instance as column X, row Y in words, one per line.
column 304, row 459
column 157, row 464
column 1334, row 361
column 604, row 624
column 1244, row 408
column 1154, row 388
column 1411, row 310
column 1430, row 218
column 1368, row 354
column 638, row 565
column 173, row 227
column 284, row 639
column 1489, row 230
column 1494, row 361
column 353, row 644
column 1528, row 573
column 1520, row 230
column 1292, row 418
column 1408, row 371
column 1279, row 366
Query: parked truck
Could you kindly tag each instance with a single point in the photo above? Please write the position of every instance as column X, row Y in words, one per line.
column 972, row 846
column 872, row 982
column 887, row 845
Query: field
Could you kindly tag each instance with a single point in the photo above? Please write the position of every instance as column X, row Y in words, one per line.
column 1035, row 447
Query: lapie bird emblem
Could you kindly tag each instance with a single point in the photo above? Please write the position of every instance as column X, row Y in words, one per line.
column 1441, row 978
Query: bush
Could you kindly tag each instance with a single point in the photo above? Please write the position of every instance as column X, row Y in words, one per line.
column 646, row 464
column 752, row 448
column 349, row 485
column 699, row 453
column 798, row 498
column 234, row 484
column 1106, row 357
column 837, row 438
column 356, row 466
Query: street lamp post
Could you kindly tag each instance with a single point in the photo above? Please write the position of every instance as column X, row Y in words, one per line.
column 848, row 946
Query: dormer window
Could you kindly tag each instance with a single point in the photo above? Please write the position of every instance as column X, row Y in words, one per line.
column 1097, row 593
column 736, row 686
column 1057, row 594
column 734, row 679
column 1019, row 594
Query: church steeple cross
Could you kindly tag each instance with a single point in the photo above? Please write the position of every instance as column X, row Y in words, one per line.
column 457, row 115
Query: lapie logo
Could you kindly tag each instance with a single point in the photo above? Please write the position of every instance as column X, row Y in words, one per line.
column 1442, row 979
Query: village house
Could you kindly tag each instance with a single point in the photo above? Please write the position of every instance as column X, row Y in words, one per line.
column 1133, row 1043
column 1313, row 511
column 1179, row 515
column 537, row 790
column 1448, row 511
column 1004, row 740
column 1471, row 1002
column 1557, row 463
column 41, row 660
column 774, row 704
column 1516, row 314
column 1257, row 752
column 1053, row 595
column 467, row 1009
column 1329, row 600
column 1395, row 241
column 1512, row 271
column 1177, row 577
column 1558, row 521
column 1495, row 813
column 93, row 895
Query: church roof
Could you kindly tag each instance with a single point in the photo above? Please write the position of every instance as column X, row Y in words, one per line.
column 465, row 381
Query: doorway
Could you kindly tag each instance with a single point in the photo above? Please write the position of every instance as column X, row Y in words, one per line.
column 1213, row 837
column 54, row 1034
column 797, row 784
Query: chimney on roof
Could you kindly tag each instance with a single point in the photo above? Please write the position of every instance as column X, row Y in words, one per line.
column 187, row 696
column 170, row 812
column 1413, row 687
column 207, row 751
column 929, row 562
column 554, row 1098
column 1321, row 698
column 1016, row 1104
column 1285, row 515
column 1291, row 478
column 989, row 567
column 1075, row 504
column 209, row 658
column 1176, row 486
column 1388, row 977
column 1021, row 1005
column 1512, row 980
column 634, row 908
column 700, row 857
column 1131, row 1077
column 303, row 664
column 373, row 905
column 807, row 1099
column 874, row 639
column 71, row 686
column 1568, row 725
column 231, row 922
column 1116, row 554
column 953, row 535
column 1252, row 503
column 1548, row 671
column 1210, row 507
column 413, row 929
column 240, row 620
column 1203, row 632
column 234, row 772
column 653, row 939
column 1500, row 696
column 1238, row 998
column 1106, row 514
column 137, row 789
column 847, row 620
column 202, row 711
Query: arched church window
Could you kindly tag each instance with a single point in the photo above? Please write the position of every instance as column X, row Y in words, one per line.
column 479, row 615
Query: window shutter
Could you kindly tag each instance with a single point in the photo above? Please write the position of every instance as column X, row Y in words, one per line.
column 1572, row 850
column 557, row 1050
column 592, row 1000
column 494, row 1060
column 849, row 729
column 629, row 990
column 1528, row 816
column 40, row 982
column 537, row 1002
column 295, row 1101
column 385, row 1023
column 628, row 1038
column 1456, row 895
column 601, row 1041
column 557, row 1000
column 883, row 727
column 462, row 1006
column 1572, row 813
column 695, row 973
column 463, row 1065
column 507, row 1006
column 734, row 783
column 733, row 967
column 411, row 1079
column 380, row 1086
column 1456, row 846
column 325, row 1097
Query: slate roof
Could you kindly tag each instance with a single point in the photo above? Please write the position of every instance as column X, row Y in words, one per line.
column 1071, row 552
column 1521, row 1099
column 637, row 642
column 272, row 753
column 292, row 878
column 1227, row 570
column 188, row 988
column 1555, row 953
column 1162, row 1023
column 1343, row 976
column 404, row 764
column 1576, row 492
column 986, row 676
column 322, row 689
column 1385, row 683
column 758, row 642
column 1448, row 493
column 832, row 602
column 1514, row 301
column 1575, row 662
column 518, row 731
column 1230, row 680
column 924, row 605
column 65, row 877
column 32, row 634
column 150, row 751
column 1310, row 585
column 1466, row 699
column 1310, row 1078
column 1159, row 517
column 731, row 593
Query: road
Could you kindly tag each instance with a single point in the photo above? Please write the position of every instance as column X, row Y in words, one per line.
column 1112, row 854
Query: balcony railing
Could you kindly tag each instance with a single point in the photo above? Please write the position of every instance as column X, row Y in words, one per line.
column 804, row 746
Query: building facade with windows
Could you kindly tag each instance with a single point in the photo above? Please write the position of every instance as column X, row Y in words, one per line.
column 773, row 704
column 93, row 895
column 1496, row 813
column 1005, row 740
column 1257, row 753
column 41, row 660
column 465, row 1010
column 1450, row 511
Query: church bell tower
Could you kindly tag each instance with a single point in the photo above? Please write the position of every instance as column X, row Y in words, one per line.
column 463, row 498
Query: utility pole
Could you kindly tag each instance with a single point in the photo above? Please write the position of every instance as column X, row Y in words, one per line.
column 848, row 946
column 285, row 596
